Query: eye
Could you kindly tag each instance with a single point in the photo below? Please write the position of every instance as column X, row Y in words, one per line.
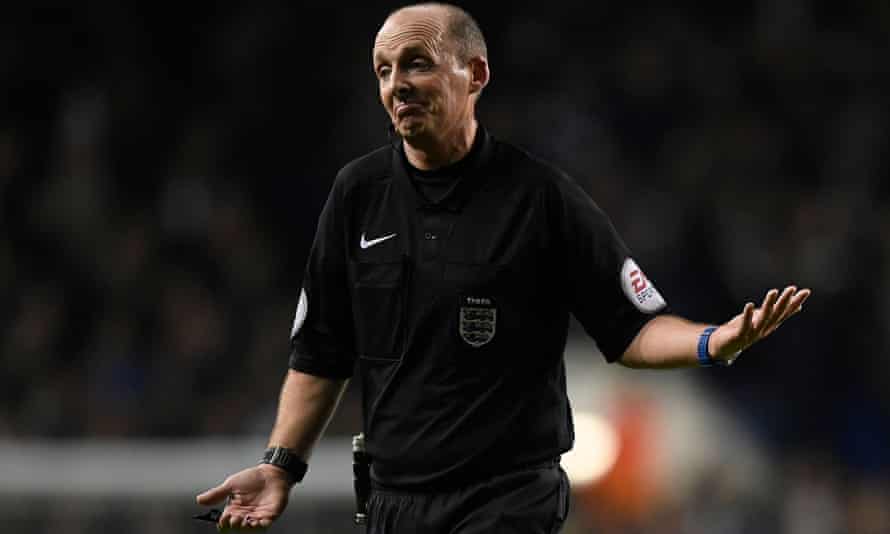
column 383, row 72
column 419, row 64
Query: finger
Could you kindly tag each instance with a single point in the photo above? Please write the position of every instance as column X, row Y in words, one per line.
column 265, row 522
column 747, row 322
column 794, row 306
column 748, row 318
column 765, row 308
column 214, row 495
column 796, row 303
column 783, row 301
column 235, row 521
column 224, row 519
column 800, row 298
column 779, row 308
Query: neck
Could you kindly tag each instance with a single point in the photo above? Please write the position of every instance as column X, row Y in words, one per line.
column 437, row 153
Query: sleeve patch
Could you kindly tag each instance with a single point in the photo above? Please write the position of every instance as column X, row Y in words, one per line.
column 302, row 310
column 639, row 289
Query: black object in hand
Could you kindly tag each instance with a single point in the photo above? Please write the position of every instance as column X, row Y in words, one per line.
column 212, row 516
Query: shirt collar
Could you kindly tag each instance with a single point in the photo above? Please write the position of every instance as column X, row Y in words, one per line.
column 472, row 173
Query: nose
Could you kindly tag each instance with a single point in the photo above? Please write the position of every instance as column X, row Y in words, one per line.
column 403, row 91
column 402, row 88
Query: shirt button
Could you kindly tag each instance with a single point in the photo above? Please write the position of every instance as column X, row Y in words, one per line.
column 429, row 236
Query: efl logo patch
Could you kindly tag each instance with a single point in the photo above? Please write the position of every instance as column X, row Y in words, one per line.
column 478, row 320
column 639, row 289
column 300, row 316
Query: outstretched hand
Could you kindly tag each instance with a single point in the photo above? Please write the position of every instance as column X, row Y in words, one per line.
column 754, row 324
column 256, row 497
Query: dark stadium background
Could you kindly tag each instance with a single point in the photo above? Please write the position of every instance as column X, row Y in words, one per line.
column 162, row 168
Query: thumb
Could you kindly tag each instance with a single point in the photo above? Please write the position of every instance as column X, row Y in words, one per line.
column 214, row 495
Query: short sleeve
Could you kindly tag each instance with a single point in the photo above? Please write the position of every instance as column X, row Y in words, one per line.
column 322, row 339
column 608, row 292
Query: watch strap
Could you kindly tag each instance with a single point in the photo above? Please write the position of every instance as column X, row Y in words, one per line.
column 286, row 459
column 704, row 355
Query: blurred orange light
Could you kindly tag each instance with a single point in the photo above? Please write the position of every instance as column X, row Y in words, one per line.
column 595, row 451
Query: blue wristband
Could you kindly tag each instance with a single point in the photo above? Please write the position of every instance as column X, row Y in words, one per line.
column 704, row 357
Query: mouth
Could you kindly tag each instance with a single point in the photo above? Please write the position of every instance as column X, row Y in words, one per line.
column 407, row 108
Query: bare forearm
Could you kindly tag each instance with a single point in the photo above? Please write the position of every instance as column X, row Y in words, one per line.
column 665, row 342
column 669, row 341
column 305, row 407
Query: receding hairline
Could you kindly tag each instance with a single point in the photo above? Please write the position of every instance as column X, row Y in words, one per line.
column 461, row 31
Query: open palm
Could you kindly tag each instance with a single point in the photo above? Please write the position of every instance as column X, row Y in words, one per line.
column 256, row 497
column 754, row 324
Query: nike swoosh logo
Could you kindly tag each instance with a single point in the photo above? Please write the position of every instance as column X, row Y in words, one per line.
column 364, row 243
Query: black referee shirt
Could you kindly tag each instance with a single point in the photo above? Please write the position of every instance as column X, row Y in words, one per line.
column 457, row 311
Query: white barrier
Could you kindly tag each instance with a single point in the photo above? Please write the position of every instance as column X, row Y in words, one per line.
column 694, row 432
column 152, row 468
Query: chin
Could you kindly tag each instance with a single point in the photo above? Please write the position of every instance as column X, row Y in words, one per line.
column 411, row 129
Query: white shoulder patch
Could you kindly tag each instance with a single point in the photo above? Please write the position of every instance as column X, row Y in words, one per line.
column 302, row 310
column 639, row 289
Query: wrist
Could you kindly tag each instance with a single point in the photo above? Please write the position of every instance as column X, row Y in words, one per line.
column 712, row 341
column 286, row 461
column 706, row 352
column 274, row 472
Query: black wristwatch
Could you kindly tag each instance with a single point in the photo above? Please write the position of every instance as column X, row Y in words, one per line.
column 287, row 460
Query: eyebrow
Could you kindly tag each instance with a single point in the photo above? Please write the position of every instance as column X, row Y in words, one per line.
column 408, row 50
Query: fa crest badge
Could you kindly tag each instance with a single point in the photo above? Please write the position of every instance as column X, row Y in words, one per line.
column 478, row 320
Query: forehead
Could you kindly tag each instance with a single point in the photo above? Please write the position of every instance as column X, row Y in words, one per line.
column 408, row 31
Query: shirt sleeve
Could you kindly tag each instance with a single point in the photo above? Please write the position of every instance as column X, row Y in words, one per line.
column 608, row 292
column 322, row 339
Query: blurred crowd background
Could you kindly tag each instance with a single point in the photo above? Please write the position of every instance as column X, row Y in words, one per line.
column 162, row 170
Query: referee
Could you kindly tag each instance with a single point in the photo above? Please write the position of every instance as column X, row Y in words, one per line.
column 443, row 273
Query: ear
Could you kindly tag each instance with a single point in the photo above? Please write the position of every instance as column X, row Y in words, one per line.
column 479, row 74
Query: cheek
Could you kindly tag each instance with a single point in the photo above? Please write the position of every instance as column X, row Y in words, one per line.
column 442, row 97
column 445, row 103
column 386, row 99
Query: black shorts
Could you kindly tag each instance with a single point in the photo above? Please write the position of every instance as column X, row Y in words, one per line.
column 528, row 501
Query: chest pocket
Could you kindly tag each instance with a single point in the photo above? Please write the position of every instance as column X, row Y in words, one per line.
column 478, row 303
column 500, row 311
column 379, row 301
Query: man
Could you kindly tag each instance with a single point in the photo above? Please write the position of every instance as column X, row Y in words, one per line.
column 446, row 268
